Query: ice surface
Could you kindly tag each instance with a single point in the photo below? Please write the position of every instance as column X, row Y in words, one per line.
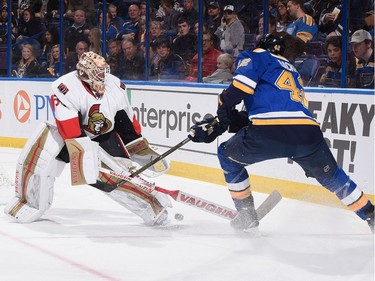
column 87, row 236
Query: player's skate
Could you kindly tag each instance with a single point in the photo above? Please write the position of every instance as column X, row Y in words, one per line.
column 369, row 212
column 247, row 218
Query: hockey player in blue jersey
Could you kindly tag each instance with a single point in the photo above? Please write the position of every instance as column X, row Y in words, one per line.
column 278, row 125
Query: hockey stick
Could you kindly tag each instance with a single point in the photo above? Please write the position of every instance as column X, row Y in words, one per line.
column 172, row 149
column 197, row 202
column 160, row 157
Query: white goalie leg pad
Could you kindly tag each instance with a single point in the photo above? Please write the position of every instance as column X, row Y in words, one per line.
column 84, row 161
column 140, row 207
column 36, row 171
column 142, row 153
column 151, row 207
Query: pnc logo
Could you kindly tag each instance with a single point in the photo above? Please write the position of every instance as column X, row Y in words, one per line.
column 22, row 106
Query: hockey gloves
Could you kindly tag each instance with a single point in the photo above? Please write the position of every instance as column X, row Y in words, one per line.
column 206, row 130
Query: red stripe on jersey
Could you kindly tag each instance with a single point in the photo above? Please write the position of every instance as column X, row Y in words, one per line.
column 136, row 125
column 69, row 128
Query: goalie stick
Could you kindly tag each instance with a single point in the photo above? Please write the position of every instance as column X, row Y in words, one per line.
column 192, row 200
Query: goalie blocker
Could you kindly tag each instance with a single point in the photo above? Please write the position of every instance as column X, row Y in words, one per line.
column 38, row 166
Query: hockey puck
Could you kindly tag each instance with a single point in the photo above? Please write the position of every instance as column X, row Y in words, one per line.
column 179, row 217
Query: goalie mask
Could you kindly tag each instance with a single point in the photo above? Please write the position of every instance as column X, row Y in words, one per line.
column 92, row 68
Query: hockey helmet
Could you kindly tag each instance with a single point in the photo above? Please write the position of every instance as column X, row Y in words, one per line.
column 92, row 68
column 273, row 43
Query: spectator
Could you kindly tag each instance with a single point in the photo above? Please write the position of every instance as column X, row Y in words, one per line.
column 156, row 32
column 114, row 57
column 4, row 26
column 130, row 29
column 271, row 26
column 362, row 46
column 166, row 65
column 282, row 18
column 189, row 13
column 248, row 14
column 329, row 17
column 213, row 20
column 78, row 31
column 51, row 38
column 223, row 73
column 133, row 61
column 95, row 43
column 171, row 17
column 332, row 75
column 231, row 32
column 210, row 55
column 115, row 19
column 84, row 5
column 111, row 30
column 54, row 61
column 143, row 8
column 184, row 43
column 28, row 66
column 30, row 29
column 303, row 26
column 73, row 57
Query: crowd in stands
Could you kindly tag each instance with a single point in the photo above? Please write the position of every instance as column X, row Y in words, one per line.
column 312, row 30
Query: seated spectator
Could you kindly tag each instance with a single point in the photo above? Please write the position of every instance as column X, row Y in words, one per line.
column 184, row 44
column 54, row 61
column 28, row 66
column 271, row 26
column 133, row 61
column 156, row 32
column 84, row 5
column 4, row 26
column 95, row 42
column 78, row 31
column 111, row 30
column 189, row 13
column 116, row 21
column 170, row 18
column 30, row 29
column 362, row 47
column 130, row 29
column 73, row 57
column 210, row 55
column 332, row 75
column 282, row 18
column 165, row 65
column 329, row 17
column 114, row 57
column 231, row 32
column 51, row 38
column 223, row 73
column 213, row 20
column 303, row 26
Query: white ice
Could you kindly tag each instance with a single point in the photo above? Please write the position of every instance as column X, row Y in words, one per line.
column 87, row 236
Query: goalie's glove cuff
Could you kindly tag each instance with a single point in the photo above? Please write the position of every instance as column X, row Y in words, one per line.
column 207, row 130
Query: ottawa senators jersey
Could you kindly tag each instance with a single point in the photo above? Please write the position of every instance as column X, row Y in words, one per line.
column 275, row 95
column 78, row 108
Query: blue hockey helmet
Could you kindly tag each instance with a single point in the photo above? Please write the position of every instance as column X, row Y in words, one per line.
column 273, row 43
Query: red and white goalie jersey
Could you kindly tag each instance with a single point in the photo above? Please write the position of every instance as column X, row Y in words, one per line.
column 79, row 108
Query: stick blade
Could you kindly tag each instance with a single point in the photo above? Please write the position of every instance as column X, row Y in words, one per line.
column 268, row 204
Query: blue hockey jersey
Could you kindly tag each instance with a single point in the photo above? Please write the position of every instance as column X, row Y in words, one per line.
column 275, row 94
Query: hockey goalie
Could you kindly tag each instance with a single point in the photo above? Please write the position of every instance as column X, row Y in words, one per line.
column 95, row 127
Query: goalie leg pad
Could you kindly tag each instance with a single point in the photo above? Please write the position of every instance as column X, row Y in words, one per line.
column 151, row 207
column 84, row 161
column 36, row 170
column 142, row 204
